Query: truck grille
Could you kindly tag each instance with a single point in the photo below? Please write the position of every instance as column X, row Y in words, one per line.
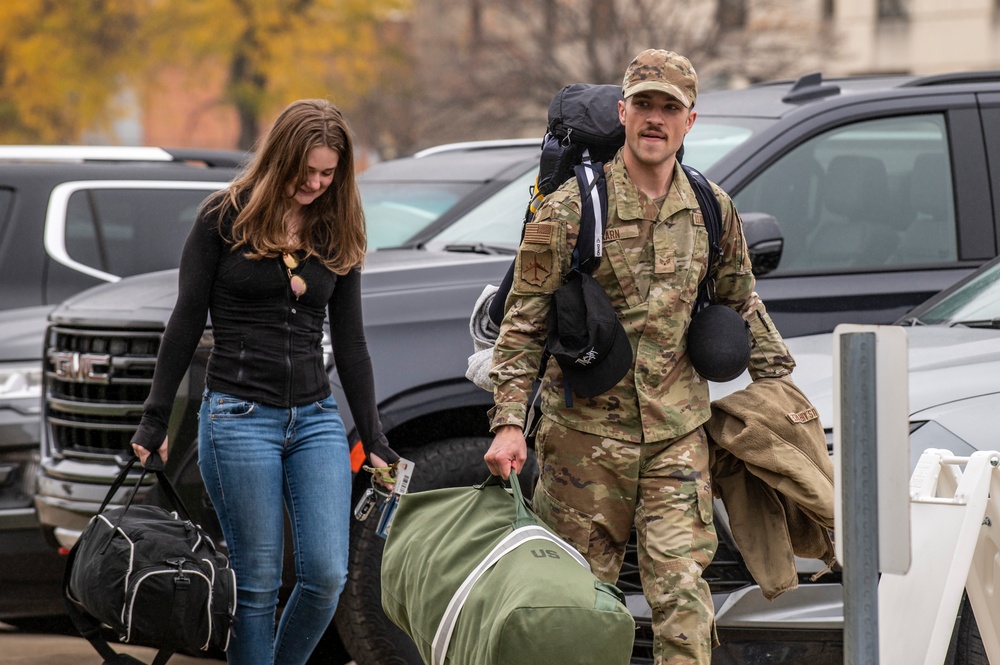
column 96, row 382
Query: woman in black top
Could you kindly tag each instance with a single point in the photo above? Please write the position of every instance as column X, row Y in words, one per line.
column 268, row 258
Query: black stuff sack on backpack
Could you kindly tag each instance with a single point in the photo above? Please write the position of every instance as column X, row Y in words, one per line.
column 151, row 575
column 584, row 131
column 583, row 125
column 582, row 128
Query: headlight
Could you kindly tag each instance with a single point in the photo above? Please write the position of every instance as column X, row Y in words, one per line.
column 21, row 380
column 18, row 469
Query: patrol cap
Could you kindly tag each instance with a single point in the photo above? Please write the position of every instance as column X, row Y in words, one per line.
column 586, row 337
column 665, row 71
column 718, row 343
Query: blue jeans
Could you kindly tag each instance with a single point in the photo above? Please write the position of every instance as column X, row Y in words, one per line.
column 257, row 461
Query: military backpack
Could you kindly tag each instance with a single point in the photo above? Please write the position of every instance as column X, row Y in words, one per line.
column 583, row 132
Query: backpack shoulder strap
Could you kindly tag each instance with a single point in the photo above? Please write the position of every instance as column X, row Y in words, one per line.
column 586, row 253
column 712, row 212
column 593, row 215
column 594, row 206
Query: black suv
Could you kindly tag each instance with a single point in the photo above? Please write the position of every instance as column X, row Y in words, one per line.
column 71, row 217
column 884, row 191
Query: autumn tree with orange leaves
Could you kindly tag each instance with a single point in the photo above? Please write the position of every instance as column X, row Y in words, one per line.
column 66, row 67
column 62, row 66
column 408, row 73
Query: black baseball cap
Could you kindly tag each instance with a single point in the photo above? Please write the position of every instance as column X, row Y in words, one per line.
column 586, row 337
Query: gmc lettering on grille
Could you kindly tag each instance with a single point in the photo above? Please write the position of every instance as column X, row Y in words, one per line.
column 80, row 367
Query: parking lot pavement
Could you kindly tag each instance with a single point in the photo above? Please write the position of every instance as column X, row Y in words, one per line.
column 46, row 648
column 29, row 648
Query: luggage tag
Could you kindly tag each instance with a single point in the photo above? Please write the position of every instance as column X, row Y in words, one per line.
column 404, row 471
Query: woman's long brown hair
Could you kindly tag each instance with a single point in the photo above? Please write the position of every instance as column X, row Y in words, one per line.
column 333, row 225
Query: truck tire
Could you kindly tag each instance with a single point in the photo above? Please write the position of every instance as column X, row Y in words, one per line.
column 969, row 649
column 370, row 637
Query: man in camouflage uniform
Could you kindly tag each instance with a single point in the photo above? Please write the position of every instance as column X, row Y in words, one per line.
column 637, row 454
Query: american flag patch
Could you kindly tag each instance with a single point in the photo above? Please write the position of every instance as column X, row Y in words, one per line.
column 538, row 233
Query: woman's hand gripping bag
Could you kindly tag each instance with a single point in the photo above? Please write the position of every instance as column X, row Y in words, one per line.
column 475, row 578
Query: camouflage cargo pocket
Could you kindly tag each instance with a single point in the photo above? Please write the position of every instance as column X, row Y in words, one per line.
column 577, row 528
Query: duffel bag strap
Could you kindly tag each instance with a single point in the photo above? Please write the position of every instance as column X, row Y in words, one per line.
column 90, row 628
column 522, row 516
column 154, row 464
column 116, row 485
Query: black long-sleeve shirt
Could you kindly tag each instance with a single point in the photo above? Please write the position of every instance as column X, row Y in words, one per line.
column 268, row 344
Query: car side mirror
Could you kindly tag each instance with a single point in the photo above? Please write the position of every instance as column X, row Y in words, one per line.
column 764, row 241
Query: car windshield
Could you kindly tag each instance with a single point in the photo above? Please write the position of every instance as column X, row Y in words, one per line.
column 397, row 211
column 976, row 303
column 712, row 138
column 494, row 222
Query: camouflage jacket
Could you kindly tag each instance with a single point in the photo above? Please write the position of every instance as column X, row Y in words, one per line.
column 653, row 261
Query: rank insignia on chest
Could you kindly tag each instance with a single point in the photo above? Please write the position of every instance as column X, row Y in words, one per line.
column 536, row 266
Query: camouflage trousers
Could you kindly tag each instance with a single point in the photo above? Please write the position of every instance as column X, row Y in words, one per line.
column 592, row 490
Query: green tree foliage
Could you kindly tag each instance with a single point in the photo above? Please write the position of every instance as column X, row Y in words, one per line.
column 63, row 63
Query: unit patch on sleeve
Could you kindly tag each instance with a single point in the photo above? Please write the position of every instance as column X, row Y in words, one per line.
column 536, row 266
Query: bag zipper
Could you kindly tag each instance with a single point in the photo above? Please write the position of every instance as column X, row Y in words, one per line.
column 179, row 571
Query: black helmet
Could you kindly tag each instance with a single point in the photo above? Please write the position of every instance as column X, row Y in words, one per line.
column 718, row 343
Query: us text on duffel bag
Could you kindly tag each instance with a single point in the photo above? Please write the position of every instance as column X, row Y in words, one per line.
column 475, row 578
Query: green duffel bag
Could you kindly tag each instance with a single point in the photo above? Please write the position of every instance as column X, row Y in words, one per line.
column 475, row 578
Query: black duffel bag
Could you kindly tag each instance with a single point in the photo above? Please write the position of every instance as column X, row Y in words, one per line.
column 153, row 577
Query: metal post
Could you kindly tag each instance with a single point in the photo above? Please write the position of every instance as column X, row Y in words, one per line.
column 858, row 437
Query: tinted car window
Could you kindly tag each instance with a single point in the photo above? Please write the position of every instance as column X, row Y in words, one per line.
column 497, row 221
column 868, row 195
column 396, row 211
column 130, row 231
